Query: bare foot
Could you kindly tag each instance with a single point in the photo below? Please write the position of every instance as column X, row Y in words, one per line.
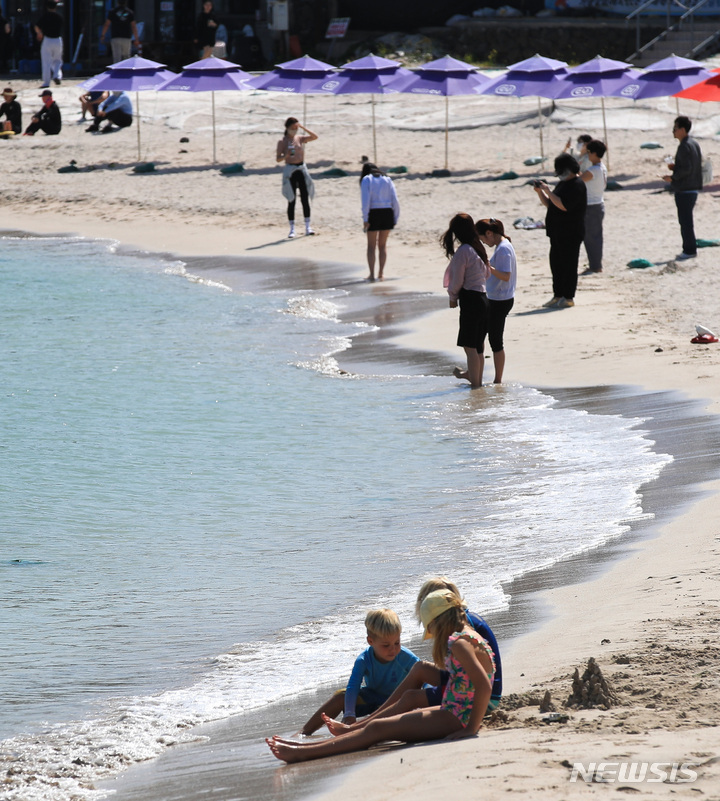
column 335, row 727
column 458, row 373
column 371, row 277
column 380, row 276
column 285, row 751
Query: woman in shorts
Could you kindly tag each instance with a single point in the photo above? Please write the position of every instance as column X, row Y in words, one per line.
column 381, row 211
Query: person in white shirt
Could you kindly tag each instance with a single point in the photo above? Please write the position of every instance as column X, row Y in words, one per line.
column 595, row 178
column 501, row 284
column 380, row 211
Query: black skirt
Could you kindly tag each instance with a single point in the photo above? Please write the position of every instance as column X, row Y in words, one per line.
column 381, row 220
column 473, row 319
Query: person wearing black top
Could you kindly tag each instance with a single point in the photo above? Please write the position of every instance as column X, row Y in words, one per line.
column 565, row 225
column 206, row 29
column 49, row 30
column 686, row 181
column 12, row 112
column 123, row 31
column 47, row 119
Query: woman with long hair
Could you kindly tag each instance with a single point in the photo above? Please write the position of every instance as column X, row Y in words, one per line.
column 381, row 211
column 465, row 279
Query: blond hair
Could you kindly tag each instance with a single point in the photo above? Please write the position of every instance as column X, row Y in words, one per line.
column 382, row 623
column 431, row 585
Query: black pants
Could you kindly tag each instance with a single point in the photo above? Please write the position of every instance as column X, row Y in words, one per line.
column 564, row 257
column 297, row 181
column 121, row 118
column 44, row 125
column 498, row 310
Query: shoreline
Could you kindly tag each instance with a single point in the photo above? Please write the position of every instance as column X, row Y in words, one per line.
column 629, row 328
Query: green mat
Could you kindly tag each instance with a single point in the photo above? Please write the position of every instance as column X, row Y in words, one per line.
column 232, row 169
column 534, row 160
column 707, row 243
column 639, row 264
column 148, row 166
column 506, row 176
column 69, row 168
column 333, row 172
column 398, row 170
column 614, row 186
column 650, row 146
column 438, row 174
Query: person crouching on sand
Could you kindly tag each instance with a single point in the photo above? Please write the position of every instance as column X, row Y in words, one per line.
column 469, row 661
column 376, row 673
column 465, row 279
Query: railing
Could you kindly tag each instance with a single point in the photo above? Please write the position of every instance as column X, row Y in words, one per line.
column 689, row 13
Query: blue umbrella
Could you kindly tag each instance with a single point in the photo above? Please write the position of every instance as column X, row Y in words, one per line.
column 135, row 74
column 537, row 76
column 209, row 75
column 369, row 75
column 445, row 76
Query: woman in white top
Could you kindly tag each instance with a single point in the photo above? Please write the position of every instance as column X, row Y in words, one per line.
column 291, row 150
column 381, row 211
column 500, row 287
column 465, row 279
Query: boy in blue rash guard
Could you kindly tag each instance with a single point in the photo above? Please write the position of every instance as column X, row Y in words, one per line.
column 377, row 672
column 425, row 683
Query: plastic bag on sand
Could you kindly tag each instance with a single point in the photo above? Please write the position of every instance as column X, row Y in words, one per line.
column 528, row 223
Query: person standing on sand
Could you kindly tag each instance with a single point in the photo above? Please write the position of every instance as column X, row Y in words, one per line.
column 464, row 279
column 123, row 31
column 595, row 178
column 295, row 175
column 206, row 29
column 565, row 225
column 48, row 30
column 500, row 287
column 686, row 182
column 381, row 211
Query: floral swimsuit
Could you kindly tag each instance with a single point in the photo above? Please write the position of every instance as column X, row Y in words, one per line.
column 459, row 691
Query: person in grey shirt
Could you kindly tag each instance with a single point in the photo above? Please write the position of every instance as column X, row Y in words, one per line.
column 686, row 182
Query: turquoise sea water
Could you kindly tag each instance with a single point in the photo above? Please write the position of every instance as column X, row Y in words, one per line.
column 198, row 507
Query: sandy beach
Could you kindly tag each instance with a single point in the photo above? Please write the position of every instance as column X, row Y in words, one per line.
column 650, row 618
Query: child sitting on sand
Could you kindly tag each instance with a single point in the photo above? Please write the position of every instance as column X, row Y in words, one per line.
column 425, row 683
column 469, row 661
column 376, row 673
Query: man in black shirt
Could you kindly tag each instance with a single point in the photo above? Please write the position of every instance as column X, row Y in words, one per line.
column 123, row 31
column 49, row 30
column 47, row 119
column 686, row 182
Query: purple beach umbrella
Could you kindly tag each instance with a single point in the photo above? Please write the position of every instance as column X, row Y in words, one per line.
column 445, row 77
column 598, row 77
column 209, row 75
column 537, row 76
column 302, row 76
column 666, row 77
column 134, row 74
column 369, row 75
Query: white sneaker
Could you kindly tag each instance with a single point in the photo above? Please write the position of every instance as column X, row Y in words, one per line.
column 552, row 302
column 684, row 256
column 292, row 235
column 309, row 232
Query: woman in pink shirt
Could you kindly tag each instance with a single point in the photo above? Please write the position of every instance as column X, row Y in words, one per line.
column 465, row 278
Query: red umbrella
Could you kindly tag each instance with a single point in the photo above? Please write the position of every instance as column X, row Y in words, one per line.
column 705, row 91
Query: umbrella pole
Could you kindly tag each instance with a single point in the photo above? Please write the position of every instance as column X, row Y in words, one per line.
column 602, row 102
column 137, row 106
column 304, row 109
column 446, row 130
column 372, row 103
column 540, row 130
column 213, row 115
